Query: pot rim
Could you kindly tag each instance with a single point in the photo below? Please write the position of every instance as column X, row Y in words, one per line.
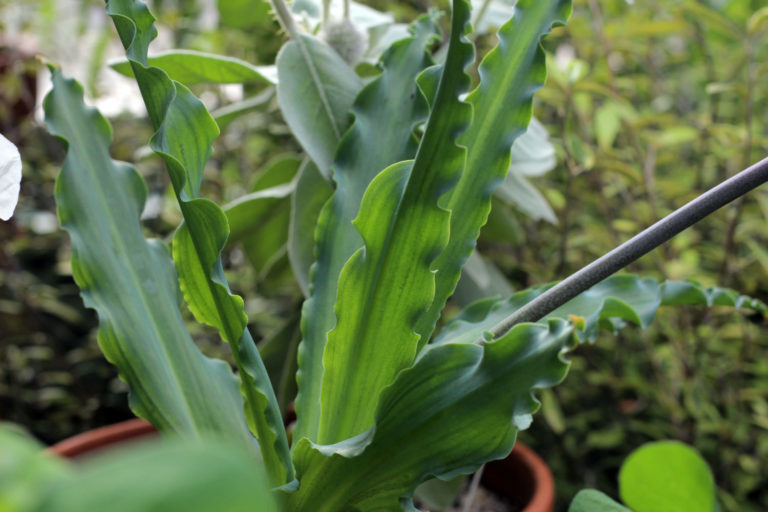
column 89, row 442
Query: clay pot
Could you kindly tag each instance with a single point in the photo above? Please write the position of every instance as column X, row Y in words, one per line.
column 523, row 478
column 88, row 443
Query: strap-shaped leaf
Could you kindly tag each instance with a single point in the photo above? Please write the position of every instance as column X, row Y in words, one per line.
column 388, row 282
column 386, row 112
column 316, row 90
column 185, row 132
column 502, row 103
column 191, row 67
column 131, row 284
column 462, row 404
column 609, row 304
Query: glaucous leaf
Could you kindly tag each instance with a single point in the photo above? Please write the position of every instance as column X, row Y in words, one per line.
column 131, row 283
column 502, row 103
column 532, row 153
column 519, row 192
column 316, row 90
column 183, row 138
column 609, row 304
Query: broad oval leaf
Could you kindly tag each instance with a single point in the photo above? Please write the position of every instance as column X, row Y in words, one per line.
column 316, row 90
column 191, row 67
column 667, row 476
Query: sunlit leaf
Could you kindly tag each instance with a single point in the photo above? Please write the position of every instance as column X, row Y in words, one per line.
column 386, row 111
column 667, row 476
column 387, row 283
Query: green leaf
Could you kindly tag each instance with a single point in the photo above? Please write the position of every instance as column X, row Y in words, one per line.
column 316, row 90
column 259, row 221
column 26, row 471
column 171, row 476
column 387, row 283
column 464, row 404
column 278, row 351
column 667, row 476
column 131, row 284
column 244, row 14
column 184, row 134
column 590, row 500
column 609, row 304
column 386, row 112
column 312, row 192
column 509, row 75
column 191, row 67
column 713, row 19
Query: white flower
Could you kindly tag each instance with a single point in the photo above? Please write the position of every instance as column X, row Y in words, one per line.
column 10, row 177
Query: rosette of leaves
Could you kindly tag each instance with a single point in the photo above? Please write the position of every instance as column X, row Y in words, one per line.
column 383, row 404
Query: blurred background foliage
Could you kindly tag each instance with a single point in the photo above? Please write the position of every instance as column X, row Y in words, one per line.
column 648, row 103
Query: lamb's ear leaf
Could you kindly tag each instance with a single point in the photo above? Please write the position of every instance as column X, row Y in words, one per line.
column 316, row 90
column 464, row 405
column 184, row 134
column 131, row 283
column 191, row 67
column 386, row 112
column 509, row 75
column 164, row 475
column 386, row 284
column 609, row 304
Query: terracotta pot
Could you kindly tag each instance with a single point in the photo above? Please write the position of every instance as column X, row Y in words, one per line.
column 88, row 443
column 523, row 478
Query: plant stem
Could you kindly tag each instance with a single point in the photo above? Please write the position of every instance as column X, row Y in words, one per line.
column 636, row 247
column 285, row 18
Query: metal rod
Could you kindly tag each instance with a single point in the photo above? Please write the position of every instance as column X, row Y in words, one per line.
column 638, row 246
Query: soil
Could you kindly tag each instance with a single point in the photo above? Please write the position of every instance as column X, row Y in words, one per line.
column 484, row 501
